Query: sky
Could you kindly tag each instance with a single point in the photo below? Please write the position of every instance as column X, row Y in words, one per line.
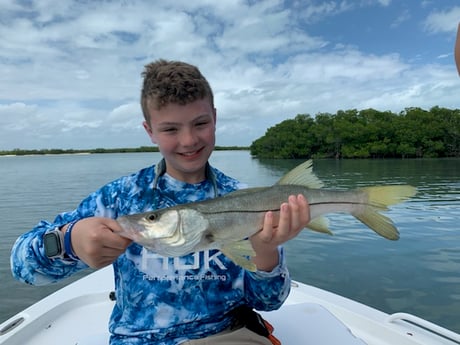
column 70, row 71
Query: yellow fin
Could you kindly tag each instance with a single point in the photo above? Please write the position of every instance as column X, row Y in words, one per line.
column 320, row 224
column 383, row 196
column 379, row 223
column 379, row 198
column 302, row 175
column 240, row 252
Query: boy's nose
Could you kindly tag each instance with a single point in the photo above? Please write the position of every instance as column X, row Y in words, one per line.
column 189, row 137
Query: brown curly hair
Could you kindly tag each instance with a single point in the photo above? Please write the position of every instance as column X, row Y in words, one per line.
column 175, row 82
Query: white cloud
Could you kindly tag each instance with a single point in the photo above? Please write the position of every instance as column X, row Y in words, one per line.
column 71, row 70
column 443, row 21
column 125, row 117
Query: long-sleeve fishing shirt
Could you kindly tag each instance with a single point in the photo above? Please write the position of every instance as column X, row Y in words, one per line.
column 159, row 300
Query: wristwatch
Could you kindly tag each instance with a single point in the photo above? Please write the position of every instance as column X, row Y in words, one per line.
column 53, row 241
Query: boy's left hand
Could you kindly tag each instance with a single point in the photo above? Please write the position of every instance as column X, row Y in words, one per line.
column 293, row 217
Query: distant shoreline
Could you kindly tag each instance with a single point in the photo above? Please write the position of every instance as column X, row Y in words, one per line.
column 27, row 152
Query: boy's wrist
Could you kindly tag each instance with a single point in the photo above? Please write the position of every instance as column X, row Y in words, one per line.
column 267, row 259
column 68, row 241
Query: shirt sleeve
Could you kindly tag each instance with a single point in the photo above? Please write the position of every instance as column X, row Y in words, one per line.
column 29, row 263
column 268, row 290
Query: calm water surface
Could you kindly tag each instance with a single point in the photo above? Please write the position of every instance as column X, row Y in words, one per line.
column 419, row 274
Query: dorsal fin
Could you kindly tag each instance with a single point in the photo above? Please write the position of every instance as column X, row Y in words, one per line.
column 302, row 175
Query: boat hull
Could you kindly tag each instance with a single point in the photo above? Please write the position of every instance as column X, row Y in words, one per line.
column 79, row 314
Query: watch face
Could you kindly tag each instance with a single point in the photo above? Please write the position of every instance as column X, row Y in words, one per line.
column 52, row 244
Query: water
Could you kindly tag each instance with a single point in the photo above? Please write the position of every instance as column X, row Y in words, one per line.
column 419, row 274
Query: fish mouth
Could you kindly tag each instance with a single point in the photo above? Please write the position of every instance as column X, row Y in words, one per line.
column 130, row 230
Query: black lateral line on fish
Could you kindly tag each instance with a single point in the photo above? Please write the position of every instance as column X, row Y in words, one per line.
column 338, row 203
column 278, row 209
column 241, row 211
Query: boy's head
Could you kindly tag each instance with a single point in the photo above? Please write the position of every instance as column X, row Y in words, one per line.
column 176, row 82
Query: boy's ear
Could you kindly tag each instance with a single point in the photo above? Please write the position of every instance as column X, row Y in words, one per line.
column 148, row 129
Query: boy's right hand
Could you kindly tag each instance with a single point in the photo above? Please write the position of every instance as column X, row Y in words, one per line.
column 95, row 241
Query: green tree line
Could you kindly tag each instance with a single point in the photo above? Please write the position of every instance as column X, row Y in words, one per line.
column 368, row 133
column 24, row 152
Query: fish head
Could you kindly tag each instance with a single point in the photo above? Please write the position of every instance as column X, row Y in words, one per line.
column 171, row 231
column 150, row 226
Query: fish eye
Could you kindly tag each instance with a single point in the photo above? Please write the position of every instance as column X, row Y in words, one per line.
column 152, row 217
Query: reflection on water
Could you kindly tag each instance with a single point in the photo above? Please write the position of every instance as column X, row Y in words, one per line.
column 419, row 274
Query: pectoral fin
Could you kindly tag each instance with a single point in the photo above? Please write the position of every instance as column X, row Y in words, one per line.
column 240, row 253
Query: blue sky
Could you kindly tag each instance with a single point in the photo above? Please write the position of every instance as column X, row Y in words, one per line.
column 70, row 70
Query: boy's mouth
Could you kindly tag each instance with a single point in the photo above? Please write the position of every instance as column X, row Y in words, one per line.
column 191, row 153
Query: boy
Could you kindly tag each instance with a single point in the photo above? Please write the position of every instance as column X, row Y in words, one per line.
column 167, row 300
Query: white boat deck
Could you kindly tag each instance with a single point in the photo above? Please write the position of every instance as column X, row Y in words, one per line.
column 79, row 313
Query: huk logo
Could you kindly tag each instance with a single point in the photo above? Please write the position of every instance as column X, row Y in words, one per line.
column 177, row 263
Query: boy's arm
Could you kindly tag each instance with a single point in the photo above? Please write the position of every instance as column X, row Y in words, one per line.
column 269, row 286
column 268, row 290
column 29, row 262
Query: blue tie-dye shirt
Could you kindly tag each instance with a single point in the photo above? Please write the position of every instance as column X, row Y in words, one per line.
column 159, row 300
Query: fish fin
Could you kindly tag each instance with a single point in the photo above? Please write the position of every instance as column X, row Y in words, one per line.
column 379, row 223
column 240, row 252
column 302, row 175
column 383, row 196
column 379, row 198
column 320, row 224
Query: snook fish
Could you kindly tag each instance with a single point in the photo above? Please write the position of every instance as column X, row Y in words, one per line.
column 226, row 222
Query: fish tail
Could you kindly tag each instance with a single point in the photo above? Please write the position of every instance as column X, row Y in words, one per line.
column 379, row 198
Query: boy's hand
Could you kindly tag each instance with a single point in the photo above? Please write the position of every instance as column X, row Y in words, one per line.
column 95, row 242
column 293, row 217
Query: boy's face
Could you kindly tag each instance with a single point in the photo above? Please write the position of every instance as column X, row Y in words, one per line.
column 185, row 135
